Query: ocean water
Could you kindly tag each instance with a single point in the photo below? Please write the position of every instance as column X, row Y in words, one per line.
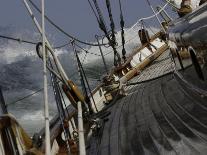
column 21, row 74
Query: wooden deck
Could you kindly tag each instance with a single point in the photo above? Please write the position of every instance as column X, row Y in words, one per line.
column 166, row 115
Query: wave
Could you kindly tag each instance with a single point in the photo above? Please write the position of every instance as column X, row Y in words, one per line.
column 21, row 72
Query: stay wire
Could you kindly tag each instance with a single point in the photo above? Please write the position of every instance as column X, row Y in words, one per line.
column 100, row 20
column 94, row 12
column 18, row 40
column 25, row 97
column 59, row 103
column 60, row 29
column 84, row 80
column 67, row 111
column 87, row 83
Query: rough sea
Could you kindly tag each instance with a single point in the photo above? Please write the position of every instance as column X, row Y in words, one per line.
column 21, row 74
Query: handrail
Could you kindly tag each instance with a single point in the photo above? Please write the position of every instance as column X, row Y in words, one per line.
column 149, row 17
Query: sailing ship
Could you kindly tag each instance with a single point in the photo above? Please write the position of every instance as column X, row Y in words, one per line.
column 152, row 102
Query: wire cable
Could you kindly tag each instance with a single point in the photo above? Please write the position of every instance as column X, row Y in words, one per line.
column 27, row 96
column 18, row 40
column 61, row 30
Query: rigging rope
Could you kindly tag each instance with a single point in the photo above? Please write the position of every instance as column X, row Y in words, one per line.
column 100, row 18
column 86, row 51
column 18, row 40
column 102, row 26
column 60, row 29
column 27, row 96
column 29, row 42
column 59, row 103
column 84, row 82
column 135, row 36
column 117, row 59
column 84, row 58
column 122, row 32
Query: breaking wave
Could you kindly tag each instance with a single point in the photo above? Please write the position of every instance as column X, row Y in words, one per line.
column 21, row 73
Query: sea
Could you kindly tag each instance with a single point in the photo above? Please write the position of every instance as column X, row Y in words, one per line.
column 21, row 73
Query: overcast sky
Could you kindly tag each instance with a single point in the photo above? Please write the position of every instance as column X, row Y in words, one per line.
column 74, row 16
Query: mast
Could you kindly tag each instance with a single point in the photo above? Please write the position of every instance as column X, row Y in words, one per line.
column 82, row 147
column 46, row 109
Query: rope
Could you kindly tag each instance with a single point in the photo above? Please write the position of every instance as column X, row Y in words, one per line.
column 61, row 46
column 102, row 26
column 27, row 96
column 122, row 31
column 149, row 17
column 94, row 12
column 100, row 19
column 121, row 45
column 86, row 80
column 84, row 58
column 67, row 111
column 60, row 29
column 87, row 50
column 83, row 79
column 18, row 40
column 117, row 59
column 150, row 5
column 59, row 103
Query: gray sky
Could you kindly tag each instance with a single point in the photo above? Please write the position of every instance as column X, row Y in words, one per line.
column 74, row 16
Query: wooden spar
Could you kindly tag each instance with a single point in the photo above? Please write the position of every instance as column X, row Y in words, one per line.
column 59, row 66
column 52, row 52
column 134, row 52
column 82, row 148
column 143, row 64
column 46, row 107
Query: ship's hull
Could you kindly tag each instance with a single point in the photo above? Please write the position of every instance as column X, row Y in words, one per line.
column 164, row 113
